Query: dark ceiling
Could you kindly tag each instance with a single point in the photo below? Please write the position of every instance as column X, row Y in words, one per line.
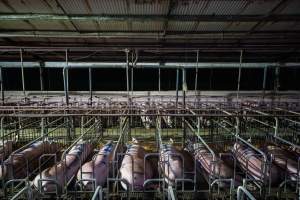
column 94, row 30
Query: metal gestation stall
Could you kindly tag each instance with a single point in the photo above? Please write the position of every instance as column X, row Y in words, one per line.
column 193, row 122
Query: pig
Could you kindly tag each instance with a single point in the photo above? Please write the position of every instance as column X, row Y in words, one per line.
column 15, row 166
column 64, row 170
column 286, row 162
column 97, row 168
column 250, row 162
column 218, row 169
column 171, row 163
column 133, row 168
column 6, row 148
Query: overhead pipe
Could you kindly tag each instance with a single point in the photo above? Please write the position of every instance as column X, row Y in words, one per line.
column 170, row 65
column 143, row 18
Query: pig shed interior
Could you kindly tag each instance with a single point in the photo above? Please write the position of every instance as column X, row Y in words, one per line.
column 150, row 99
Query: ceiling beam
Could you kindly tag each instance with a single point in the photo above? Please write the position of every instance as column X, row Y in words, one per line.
column 192, row 18
column 293, row 35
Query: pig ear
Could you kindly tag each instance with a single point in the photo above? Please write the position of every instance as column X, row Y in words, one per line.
column 134, row 140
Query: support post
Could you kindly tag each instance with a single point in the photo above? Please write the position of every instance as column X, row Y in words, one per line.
column 131, row 80
column 276, row 83
column 66, row 79
column 90, row 85
column 196, row 78
column 127, row 72
column 264, row 81
column 133, row 63
column 239, row 76
column 43, row 124
column 1, row 85
column 184, row 89
column 159, row 79
column 22, row 72
column 42, row 76
column 177, row 82
column 196, row 75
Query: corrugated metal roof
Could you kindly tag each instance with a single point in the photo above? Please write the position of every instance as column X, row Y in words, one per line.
column 108, row 7
column 14, row 25
column 142, row 7
column 225, row 7
column 147, row 7
column 113, row 26
column 29, row 6
column 189, row 7
column 181, row 26
column 232, row 7
column 52, row 25
column 239, row 26
column 4, row 8
column 260, row 7
column 147, row 26
column 277, row 26
column 211, row 26
column 74, row 7
column 86, row 25
column 292, row 8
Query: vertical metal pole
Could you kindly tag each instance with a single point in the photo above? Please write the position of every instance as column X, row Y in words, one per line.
column 132, row 80
column 184, row 89
column 127, row 72
column 1, row 85
column 196, row 75
column 131, row 77
column 239, row 77
column 158, row 79
column 41, row 76
column 22, row 71
column 42, row 127
column 90, row 85
column 177, row 82
column 184, row 86
column 264, row 81
column 277, row 84
column 66, row 79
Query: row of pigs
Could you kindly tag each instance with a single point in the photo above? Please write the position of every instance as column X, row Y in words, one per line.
column 174, row 163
